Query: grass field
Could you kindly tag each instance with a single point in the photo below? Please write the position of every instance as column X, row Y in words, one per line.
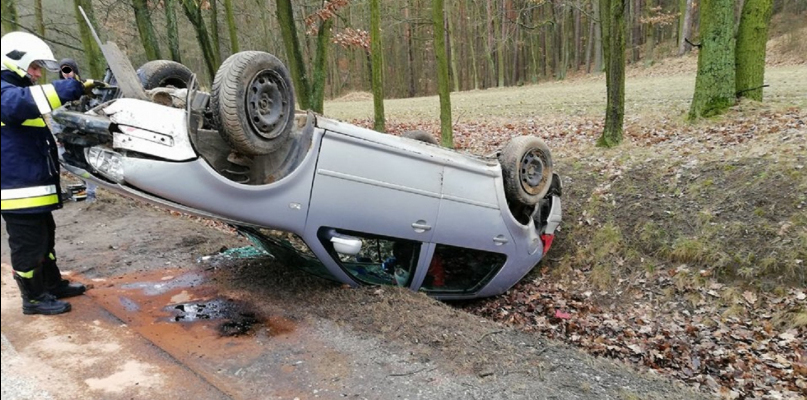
column 646, row 95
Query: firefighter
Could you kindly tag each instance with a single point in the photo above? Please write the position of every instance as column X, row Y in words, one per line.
column 30, row 170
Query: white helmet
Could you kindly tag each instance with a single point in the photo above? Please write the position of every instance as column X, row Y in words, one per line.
column 20, row 49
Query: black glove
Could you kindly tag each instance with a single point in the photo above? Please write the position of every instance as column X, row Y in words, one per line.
column 90, row 84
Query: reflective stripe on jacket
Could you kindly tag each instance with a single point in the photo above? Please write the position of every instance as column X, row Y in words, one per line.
column 29, row 170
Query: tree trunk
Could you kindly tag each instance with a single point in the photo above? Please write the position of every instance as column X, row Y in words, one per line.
column 10, row 18
column 285, row 18
column 649, row 35
column 442, row 75
column 597, row 37
column 590, row 42
column 92, row 52
column 499, row 27
column 146, row 29
column 193, row 11
column 612, row 19
column 214, row 27
column 752, row 37
column 686, row 28
column 491, row 42
column 320, row 66
column 455, row 76
column 410, row 56
column 228, row 9
column 578, row 37
column 377, row 50
column 40, row 18
column 472, row 46
column 172, row 31
column 714, row 85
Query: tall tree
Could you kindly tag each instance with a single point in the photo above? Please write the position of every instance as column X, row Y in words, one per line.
column 308, row 96
column 500, row 27
column 714, row 85
column 146, row 29
column 490, row 26
column 171, row 27
column 442, row 74
column 92, row 52
column 193, row 11
column 285, row 17
column 612, row 22
column 752, row 36
column 410, row 51
column 320, row 65
column 39, row 15
column 686, row 27
column 214, row 27
column 377, row 51
column 228, row 10
column 452, row 48
column 9, row 9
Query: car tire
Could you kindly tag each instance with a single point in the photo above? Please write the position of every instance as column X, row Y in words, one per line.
column 527, row 169
column 253, row 102
column 164, row 73
column 422, row 136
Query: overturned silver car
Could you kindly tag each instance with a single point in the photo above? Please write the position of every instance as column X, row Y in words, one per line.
column 371, row 208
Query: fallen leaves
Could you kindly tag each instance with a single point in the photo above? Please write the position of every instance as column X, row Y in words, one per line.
column 740, row 357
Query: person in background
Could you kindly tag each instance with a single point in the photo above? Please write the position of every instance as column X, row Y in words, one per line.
column 29, row 170
column 68, row 69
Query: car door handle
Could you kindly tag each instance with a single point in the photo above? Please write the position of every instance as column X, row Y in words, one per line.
column 500, row 240
column 421, row 226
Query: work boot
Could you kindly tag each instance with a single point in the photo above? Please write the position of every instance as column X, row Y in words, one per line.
column 35, row 300
column 55, row 285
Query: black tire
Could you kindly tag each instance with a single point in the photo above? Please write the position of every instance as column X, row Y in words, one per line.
column 422, row 136
column 164, row 73
column 527, row 169
column 253, row 102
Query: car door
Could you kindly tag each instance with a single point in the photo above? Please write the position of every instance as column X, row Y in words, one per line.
column 375, row 187
column 471, row 241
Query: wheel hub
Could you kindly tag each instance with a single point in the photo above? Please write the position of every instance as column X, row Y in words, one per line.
column 267, row 98
column 532, row 171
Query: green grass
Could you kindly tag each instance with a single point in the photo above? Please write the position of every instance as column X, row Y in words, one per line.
column 585, row 97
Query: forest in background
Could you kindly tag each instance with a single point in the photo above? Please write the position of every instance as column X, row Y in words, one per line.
column 489, row 43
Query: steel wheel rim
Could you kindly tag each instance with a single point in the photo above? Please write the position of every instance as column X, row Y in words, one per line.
column 267, row 98
column 532, row 171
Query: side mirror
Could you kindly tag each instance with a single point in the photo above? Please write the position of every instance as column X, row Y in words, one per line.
column 344, row 244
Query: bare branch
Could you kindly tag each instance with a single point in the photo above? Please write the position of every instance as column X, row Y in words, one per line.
column 33, row 32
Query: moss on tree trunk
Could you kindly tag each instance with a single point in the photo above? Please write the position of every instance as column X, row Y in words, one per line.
column 442, row 74
column 146, row 29
column 92, row 52
column 612, row 17
column 285, row 18
column 752, row 36
column 714, row 85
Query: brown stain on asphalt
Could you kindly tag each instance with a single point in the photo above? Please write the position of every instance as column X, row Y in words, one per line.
column 203, row 324
column 270, row 354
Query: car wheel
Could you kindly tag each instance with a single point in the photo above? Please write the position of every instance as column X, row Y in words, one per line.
column 253, row 102
column 164, row 73
column 422, row 136
column 527, row 169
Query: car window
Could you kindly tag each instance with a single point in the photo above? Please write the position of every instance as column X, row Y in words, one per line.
column 381, row 260
column 457, row 269
column 288, row 249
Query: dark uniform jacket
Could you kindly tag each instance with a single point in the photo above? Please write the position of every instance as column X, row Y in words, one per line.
column 29, row 164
